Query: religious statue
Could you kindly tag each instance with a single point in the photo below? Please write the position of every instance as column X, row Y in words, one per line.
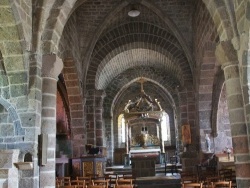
column 208, row 143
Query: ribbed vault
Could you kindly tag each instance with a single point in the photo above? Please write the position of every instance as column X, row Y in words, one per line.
column 113, row 47
column 135, row 58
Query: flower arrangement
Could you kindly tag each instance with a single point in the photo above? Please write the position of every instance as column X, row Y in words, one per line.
column 228, row 151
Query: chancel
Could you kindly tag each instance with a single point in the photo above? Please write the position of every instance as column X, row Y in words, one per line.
column 144, row 135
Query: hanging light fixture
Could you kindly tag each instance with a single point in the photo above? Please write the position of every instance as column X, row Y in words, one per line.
column 134, row 12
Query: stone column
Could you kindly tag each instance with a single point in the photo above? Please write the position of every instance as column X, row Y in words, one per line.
column 227, row 56
column 95, row 122
column 99, row 125
column 127, row 138
column 51, row 68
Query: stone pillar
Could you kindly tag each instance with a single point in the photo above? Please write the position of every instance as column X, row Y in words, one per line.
column 109, row 137
column 227, row 56
column 51, row 68
column 99, row 123
column 95, row 122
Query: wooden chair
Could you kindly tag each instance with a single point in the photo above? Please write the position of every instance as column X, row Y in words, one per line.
column 192, row 185
column 124, row 186
column 234, row 183
column 104, row 183
column 209, row 180
column 68, row 186
column 221, row 184
column 78, row 183
column 97, row 186
column 225, row 174
column 112, row 179
column 58, row 183
column 64, row 180
column 92, row 176
column 84, row 178
column 124, row 182
column 189, row 177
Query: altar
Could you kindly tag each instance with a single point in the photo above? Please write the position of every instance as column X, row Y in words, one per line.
column 143, row 166
column 149, row 152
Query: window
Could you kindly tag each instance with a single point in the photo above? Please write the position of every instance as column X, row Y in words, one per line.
column 165, row 128
column 123, row 130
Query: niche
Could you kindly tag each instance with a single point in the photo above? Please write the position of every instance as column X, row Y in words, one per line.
column 27, row 164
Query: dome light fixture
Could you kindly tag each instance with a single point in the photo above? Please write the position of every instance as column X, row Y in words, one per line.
column 134, row 12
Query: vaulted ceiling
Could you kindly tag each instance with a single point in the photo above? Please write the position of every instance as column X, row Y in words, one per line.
column 117, row 49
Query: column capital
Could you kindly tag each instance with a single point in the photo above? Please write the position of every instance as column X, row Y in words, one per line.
column 100, row 93
column 52, row 66
column 226, row 54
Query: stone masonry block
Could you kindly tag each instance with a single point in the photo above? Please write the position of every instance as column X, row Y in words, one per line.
column 4, row 2
column 49, row 112
column 8, row 157
column 8, row 33
column 6, row 130
column 18, row 78
column 48, row 85
column 14, row 63
column 3, row 118
column 49, row 101
column 18, row 90
column 12, row 47
column 47, row 178
column 28, row 119
column 22, row 102
column 48, row 126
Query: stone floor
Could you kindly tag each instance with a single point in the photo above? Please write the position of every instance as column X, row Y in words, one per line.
column 160, row 180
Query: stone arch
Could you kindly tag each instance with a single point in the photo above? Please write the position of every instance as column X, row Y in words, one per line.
column 117, row 97
column 113, row 91
column 51, row 22
column 76, row 103
column 12, row 35
column 21, row 12
column 217, row 87
column 207, row 73
column 221, row 17
column 18, row 130
column 223, row 138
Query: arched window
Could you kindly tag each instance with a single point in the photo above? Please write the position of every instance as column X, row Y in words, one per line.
column 121, row 130
column 165, row 128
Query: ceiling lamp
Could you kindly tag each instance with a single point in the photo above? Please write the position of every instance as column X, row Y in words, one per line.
column 134, row 12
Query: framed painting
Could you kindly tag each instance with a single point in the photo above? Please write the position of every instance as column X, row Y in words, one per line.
column 186, row 134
